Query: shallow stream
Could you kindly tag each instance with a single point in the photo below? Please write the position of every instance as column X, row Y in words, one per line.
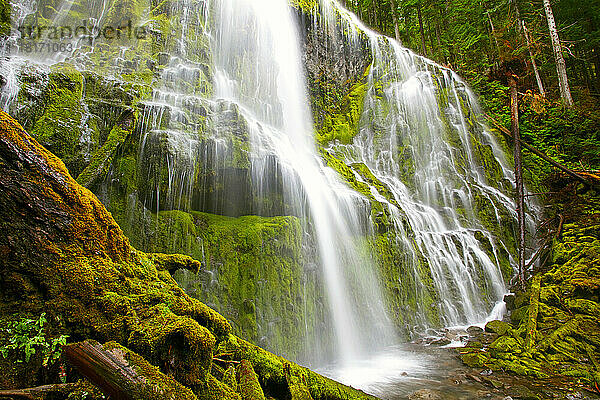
column 417, row 372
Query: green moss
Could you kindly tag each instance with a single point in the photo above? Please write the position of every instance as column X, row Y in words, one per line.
column 86, row 273
column 505, row 344
column 102, row 158
column 230, row 379
column 475, row 359
column 249, row 387
column 274, row 373
column 341, row 122
column 408, row 284
column 556, row 330
column 213, row 390
column 534, row 304
column 61, row 126
column 251, row 268
column 498, row 327
column 5, row 12
column 155, row 384
column 305, row 5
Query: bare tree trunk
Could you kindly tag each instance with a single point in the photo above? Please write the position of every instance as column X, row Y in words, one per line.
column 533, row 63
column 494, row 34
column 518, row 15
column 395, row 18
column 520, row 194
column 423, row 48
column 561, row 69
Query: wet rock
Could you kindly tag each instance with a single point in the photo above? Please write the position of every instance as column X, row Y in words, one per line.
column 475, row 345
column 474, row 331
column 425, row 394
column 496, row 384
column 523, row 393
column 505, row 344
column 441, row 342
column 475, row 378
column 163, row 58
column 487, row 338
column 475, row 359
column 509, row 299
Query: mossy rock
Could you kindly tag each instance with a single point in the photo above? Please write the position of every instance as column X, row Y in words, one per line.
column 475, row 359
column 249, row 387
column 62, row 126
column 505, row 344
column 499, row 327
column 5, row 12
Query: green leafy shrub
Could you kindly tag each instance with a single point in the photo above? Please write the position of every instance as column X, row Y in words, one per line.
column 27, row 337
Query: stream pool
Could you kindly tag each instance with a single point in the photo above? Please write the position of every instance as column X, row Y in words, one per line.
column 414, row 371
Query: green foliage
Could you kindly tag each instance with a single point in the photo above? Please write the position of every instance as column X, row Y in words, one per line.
column 28, row 338
column 4, row 18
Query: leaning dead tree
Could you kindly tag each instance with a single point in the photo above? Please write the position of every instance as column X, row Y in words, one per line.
column 520, row 190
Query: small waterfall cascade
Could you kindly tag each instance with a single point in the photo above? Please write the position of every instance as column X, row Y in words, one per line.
column 439, row 171
column 406, row 225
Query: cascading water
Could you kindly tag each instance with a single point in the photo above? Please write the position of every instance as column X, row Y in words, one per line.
column 258, row 68
column 226, row 93
column 420, row 139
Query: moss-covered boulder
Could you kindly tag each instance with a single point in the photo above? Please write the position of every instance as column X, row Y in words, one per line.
column 499, row 327
column 64, row 254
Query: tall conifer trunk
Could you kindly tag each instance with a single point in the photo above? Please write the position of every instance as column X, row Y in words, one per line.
column 561, row 69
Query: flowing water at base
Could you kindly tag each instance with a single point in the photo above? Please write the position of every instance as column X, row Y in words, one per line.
column 426, row 372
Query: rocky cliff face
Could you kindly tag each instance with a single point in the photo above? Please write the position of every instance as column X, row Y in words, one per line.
column 102, row 111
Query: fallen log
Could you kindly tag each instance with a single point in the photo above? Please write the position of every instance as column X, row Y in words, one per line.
column 37, row 393
column 105, row 369
column 122, row 374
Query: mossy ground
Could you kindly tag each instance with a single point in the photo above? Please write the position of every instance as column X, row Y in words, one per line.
column 555, row 323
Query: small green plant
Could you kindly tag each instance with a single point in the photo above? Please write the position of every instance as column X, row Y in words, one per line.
column 27, row 337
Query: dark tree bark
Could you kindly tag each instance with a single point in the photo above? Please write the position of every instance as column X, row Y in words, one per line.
column 39, row 392
column 104, row 369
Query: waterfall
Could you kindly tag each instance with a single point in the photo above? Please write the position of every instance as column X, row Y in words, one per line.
column 258, row 68
column 420, row 138
column 406, row 224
